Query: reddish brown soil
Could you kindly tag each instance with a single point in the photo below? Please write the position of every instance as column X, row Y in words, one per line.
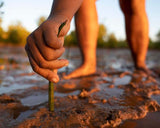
column 111, row 98
column 93, row 101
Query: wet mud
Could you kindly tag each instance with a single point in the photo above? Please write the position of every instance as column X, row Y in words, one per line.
column 116, row 96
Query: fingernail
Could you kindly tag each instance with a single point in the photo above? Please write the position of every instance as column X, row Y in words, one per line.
column 54, row 80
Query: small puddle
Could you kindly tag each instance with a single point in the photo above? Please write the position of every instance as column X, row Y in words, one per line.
column 156, row 97
column 105, row 93
column 58, row 94
column 24, row 115
column 34, row 100
column 122, row 81
column 12, row 84
column 111, row 91
column 152, row 120
column 14, row 87
column 40, row 98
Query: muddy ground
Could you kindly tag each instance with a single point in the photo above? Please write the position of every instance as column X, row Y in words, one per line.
column 116, row 96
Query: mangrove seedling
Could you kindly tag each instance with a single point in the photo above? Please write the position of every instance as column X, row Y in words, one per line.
column 51, row 84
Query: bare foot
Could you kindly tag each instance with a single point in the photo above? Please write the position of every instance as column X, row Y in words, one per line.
column 146, row 71
column 83, row 70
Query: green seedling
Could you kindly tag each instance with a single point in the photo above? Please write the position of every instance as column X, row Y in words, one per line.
column 51, row 84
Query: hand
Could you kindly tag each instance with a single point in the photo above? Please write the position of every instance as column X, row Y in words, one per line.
column 44, row 48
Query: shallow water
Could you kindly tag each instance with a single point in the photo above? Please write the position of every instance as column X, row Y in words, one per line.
column 17, row 73
column 116, row 92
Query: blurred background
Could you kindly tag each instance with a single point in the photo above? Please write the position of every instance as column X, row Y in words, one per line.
column 18, row 18
column 23, row 92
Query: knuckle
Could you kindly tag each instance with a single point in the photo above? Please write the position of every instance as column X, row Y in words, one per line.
column 49, row 57
column 29, row 41
column 40, row 63
column 49, row 41
column 45, row 24
column 35, row 34
column 52, row 41
column 35, row 68
column 48, row 76
column 52, row 55
column 43, row 64
column 51, row 38
column 29, row 38
column 59, row 64
column 57, row 45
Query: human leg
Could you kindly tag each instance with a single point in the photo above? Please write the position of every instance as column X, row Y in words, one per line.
column 87, row 32
column 136, row 24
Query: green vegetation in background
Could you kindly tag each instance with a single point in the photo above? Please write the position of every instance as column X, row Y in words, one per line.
column 155, row 44
column 104, row 40
column 102, row 35
column 17, row 34
column 109, row 40
column 41, row 20
column 1, row 14
column 71, row 39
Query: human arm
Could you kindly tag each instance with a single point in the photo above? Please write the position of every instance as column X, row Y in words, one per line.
column 44, row 47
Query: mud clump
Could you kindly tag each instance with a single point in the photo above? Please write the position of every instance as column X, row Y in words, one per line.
column 104, row 101
column 74, row 97
column 100, row 106
column 105, row 104
column 7, row 99
column 111, row 86
column 84, row 94
column 10, row 108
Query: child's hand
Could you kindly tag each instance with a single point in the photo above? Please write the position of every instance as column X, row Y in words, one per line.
column 44, row 48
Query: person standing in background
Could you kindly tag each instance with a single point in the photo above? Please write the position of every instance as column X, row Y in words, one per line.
column 44, row 47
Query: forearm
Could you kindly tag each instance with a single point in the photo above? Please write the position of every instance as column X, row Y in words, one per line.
column 65, row 7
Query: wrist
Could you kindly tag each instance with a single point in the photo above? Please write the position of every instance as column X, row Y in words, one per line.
column 59, row 18
column 60, row 15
